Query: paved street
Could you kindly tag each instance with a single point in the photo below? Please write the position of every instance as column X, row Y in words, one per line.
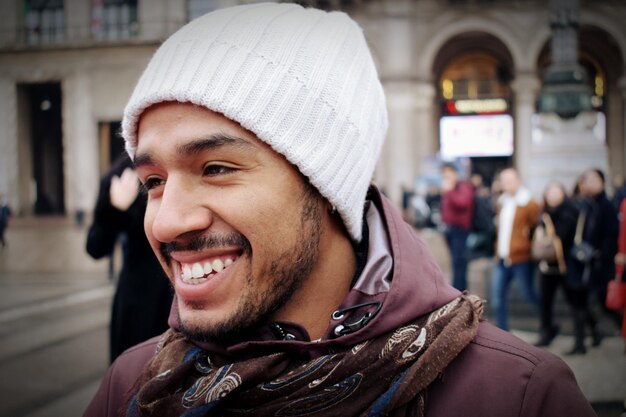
column 54, row 313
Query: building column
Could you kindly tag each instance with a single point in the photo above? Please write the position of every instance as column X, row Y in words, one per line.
column 526, row 88
column 425, row 127
column 9, row 184
column 80, row 139
column 410, row 137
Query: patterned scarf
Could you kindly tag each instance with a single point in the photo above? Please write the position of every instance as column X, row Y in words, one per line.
column 386, row 375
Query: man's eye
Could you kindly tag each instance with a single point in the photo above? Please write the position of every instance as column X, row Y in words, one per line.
column 151, row 183
column 213, row 170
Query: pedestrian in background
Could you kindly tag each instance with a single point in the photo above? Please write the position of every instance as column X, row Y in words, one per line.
column 457, row 209
column 559, row 217
column 5, row 216
column 598, row 228
column 516, row 221
column 620, row 259
column 480, row 242
column 143, row 295
column 620, row 193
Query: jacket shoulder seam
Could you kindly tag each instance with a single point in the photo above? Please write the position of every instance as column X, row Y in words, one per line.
column 532, row 373
column 507, row 348
column 109, row 386
column 530, row 378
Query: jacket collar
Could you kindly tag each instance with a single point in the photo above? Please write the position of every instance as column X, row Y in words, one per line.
column 521, row 198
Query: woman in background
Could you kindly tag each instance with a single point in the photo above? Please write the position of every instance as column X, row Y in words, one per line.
column 560, row 215
column 143, row 296
column 599, row 230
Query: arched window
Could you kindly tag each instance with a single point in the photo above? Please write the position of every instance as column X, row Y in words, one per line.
column 475, row 75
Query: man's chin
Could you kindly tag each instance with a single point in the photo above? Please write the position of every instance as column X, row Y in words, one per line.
column 197, row 330
column 202, row 326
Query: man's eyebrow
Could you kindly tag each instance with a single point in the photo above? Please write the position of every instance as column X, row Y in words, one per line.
column 214, row 141
column 142, row 159
column 197, row 146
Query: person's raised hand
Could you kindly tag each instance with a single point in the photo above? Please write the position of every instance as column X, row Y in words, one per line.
column 124, row 189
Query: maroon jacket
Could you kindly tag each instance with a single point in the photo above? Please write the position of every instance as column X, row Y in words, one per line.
column 457, row 205
column 496, row 375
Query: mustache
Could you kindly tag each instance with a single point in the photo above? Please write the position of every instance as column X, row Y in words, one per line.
column 203, row 241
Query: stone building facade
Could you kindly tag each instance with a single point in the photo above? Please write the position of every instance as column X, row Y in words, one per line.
column 67, row 68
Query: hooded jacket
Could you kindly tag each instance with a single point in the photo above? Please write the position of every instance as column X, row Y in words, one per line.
column 495, row 375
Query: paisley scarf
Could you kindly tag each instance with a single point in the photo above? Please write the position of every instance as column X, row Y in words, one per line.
column 386, row 375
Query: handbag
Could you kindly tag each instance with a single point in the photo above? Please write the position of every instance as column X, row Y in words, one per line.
column 582, row 251
column 548, row 248
column 615, row 294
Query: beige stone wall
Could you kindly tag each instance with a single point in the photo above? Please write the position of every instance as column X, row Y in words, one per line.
column 405, row 37
column 96, row 84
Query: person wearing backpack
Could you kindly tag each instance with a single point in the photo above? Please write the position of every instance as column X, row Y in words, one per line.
column 457, row 209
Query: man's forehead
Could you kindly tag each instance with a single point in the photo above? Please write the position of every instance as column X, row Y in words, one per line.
column 175, row 110
column 187, row 130
column 188, row 121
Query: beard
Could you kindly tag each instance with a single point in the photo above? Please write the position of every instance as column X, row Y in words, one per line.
column 287, row 272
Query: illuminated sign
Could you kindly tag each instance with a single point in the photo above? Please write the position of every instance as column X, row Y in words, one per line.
column 475, row 136
column 486, row 106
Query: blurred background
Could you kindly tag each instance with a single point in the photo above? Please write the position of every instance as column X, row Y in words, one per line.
column 534, row 84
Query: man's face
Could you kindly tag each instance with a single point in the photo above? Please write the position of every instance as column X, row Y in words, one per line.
column 232, row 222
column 509, row 181
column 449, row 175
column 591, row 184
column 449, row 178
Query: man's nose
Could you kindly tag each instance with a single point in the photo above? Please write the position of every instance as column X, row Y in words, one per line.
column 181, row 210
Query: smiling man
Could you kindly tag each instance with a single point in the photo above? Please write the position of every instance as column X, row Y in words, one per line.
column 255, row 131
column 238, row 228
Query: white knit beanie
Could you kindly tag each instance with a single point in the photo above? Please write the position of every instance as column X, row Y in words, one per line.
column 302, row 80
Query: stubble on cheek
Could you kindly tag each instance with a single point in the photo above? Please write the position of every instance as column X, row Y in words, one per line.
column 262, row 296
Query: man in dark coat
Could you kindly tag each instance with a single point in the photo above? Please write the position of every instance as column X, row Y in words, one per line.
column 598, row 226
column 299, row 289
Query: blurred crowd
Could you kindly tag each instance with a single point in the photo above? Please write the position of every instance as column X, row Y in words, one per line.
column 566, row 240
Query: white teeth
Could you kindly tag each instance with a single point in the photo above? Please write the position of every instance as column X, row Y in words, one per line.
column 197, row 271
column 186, row 272
column 218, row 265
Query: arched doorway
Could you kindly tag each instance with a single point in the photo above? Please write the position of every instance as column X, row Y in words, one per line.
column 473, row 72
column 41, row 148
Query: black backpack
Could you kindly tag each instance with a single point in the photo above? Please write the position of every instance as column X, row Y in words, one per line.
column 482, row 219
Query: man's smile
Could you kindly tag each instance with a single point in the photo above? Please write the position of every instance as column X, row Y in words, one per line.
column 200, row 271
